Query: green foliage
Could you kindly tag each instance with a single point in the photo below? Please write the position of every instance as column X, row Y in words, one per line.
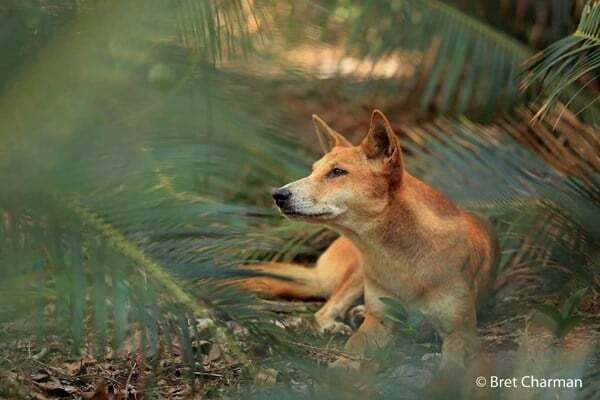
column 408, row 320
column 99, row 233
column 560, row 321
column 136, row 158
column 536, row 23
column 466, row 67
column 572, row 60
column 217, row 31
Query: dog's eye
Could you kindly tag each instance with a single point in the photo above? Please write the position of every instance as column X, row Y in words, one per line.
column 334, row 173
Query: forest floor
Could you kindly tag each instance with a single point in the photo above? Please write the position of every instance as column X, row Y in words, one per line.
column 33, row 370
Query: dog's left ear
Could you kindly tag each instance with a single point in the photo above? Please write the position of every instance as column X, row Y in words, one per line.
column 328, row 138
column 382, row 142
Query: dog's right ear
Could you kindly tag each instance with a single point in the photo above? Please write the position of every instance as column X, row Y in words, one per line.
column 382, row 143
column 328, row 138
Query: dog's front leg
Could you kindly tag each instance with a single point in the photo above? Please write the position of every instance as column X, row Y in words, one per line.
column 458, row 349
column 342, row 298
column 462, row 356
column 452, row 310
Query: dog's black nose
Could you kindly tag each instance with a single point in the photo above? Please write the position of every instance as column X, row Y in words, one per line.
column 281, row 196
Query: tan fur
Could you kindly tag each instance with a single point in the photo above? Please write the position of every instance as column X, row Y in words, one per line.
column 400, row 237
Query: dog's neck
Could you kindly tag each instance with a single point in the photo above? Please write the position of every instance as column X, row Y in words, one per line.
column 415, row 214
column 394, row 229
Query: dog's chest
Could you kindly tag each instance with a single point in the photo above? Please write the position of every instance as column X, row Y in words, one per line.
column 397, row 277
column 409, row 272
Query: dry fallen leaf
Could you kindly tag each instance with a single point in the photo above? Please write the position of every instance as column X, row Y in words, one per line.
column 57, row 388
column 102, row 393
column 39, row 376
column 214, row 353
column 266, row 376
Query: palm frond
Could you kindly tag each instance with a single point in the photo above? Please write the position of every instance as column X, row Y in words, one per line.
column 563, row 141
column 572, row 60
column 466, row 67
column 537, row 23
column 110, row 273
column 218, row 31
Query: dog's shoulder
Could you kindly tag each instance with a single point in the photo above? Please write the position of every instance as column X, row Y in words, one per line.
column 423, row 195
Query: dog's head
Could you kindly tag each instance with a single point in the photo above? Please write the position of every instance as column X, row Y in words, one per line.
column 350, row 184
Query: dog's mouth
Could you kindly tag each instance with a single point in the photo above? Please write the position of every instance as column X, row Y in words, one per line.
column 298, row 214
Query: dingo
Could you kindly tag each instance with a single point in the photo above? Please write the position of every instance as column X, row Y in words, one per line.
column 400, row 238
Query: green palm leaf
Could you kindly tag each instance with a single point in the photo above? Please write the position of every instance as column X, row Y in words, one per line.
column 537, row 23
column 467, row 66
column 570, row 61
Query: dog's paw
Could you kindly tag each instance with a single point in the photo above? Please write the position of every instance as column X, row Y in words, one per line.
column 356, row 316
column 352, row 376
column 344, row 365
column 333, row 327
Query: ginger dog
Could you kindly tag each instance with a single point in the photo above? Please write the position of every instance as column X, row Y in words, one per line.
column 400, row 238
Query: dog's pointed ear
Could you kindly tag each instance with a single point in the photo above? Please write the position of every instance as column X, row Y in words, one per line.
column 382, row 142
column 328, row 138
